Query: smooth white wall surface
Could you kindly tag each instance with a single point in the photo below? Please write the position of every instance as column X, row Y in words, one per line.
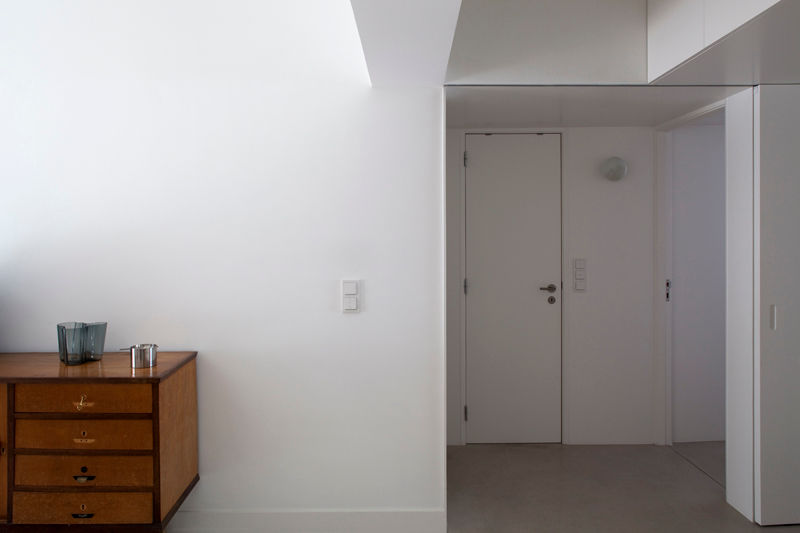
column 739, row 234
column 679, row 29
column 201, row 175
column 724, row 16
column 608, row 330
column 549, row 42
column 698, row 283
column 778, row 417
column 674, row 33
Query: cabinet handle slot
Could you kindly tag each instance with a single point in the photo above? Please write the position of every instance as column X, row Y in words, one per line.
column 83, row 479
column 82, row 515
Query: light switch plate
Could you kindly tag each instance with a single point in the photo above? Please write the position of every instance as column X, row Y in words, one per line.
column 349, row 287
column 580, row 284
column 580, row 273
column 580, row 263
column 350, row 304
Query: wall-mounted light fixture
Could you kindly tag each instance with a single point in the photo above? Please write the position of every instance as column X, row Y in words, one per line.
column 614, row 168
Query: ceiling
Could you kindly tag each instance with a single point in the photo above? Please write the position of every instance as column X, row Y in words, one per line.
column 569, row 106
column 406, row 43
column 542, row 42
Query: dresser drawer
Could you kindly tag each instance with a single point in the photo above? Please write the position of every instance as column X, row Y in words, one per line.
column 84, row 434
column 87, row 398
column 83, row 508
column 75, row 471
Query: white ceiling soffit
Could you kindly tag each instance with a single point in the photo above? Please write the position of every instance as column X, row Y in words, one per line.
column 550, row 42
column 406, row 42
column 552, row 107
column 766, row 50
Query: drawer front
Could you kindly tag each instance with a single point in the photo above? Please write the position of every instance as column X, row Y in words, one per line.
column 84, row 434
column 76, row 471
column 87, row 398
column 82, row 508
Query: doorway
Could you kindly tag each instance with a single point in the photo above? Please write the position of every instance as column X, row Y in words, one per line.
column 615, row 387
column 513, row 287
column 696, row 269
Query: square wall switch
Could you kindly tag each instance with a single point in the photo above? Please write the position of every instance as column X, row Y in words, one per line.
column 350, row 296
column 350, row 286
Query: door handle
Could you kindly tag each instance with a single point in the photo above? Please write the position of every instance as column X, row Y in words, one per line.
column 550, row 288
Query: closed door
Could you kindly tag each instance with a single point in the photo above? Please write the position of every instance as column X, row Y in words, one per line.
column 513, row 302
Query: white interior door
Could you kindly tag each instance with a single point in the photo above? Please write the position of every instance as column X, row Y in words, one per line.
column 513, row 249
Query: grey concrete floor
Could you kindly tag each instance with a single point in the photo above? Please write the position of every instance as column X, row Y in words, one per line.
column 708, row 456
column 507, row 488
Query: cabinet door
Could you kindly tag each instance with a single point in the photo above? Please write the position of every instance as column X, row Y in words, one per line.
column 4, row 447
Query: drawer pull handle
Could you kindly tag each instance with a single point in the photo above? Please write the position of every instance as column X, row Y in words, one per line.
column 82, row 515
column 82, row 403
column 83, row 479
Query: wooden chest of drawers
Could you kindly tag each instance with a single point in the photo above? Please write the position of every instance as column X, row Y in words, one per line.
column 96, row 447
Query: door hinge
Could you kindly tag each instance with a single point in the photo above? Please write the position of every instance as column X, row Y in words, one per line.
column 466, row 414
column 669, row 290
column 466, row 285
column 465, row 159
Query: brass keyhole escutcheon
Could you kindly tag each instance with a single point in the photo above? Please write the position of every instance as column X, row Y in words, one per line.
column 83, row 433
column 551, row 300
column 83, row 507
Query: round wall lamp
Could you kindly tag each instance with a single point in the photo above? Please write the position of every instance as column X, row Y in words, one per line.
column 614, row 168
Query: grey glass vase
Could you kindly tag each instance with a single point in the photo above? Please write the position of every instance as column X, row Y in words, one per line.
column 95, row 341
column 71, row 341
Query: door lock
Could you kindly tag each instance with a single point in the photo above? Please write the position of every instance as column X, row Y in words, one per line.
column 551, row 300
column 550, row 288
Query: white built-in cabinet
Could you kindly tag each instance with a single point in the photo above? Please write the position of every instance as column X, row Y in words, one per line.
column 777, row 301
column 679, row 29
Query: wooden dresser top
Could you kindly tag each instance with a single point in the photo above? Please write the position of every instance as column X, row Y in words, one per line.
column 35, row 367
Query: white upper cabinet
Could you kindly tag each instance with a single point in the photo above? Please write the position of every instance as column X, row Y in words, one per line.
column 679, row 29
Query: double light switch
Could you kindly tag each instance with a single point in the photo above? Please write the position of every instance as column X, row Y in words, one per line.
column 350, row 296
column 579, row 274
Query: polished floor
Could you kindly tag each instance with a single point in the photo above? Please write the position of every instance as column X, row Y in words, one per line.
column 550, row 488
column 708, row 456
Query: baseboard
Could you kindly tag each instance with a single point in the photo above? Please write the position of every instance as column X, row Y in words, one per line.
column 395, row 521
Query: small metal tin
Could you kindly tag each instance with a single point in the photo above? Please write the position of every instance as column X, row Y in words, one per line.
column 143, row 355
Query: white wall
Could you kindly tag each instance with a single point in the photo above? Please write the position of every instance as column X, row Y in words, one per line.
column 608, row 330
column 202, row 175
column 679, row 29
column 777, row 118
column 549, row 42
column 698, row 283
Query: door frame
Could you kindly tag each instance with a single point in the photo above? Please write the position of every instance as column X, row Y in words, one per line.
column 663, row 329
column 462, row 134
